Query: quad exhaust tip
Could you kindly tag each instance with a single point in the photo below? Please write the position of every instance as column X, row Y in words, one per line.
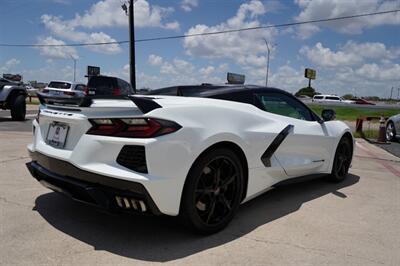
column 129, row 203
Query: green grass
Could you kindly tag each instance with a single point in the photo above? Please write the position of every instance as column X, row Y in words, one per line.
column 369, row 134
column 352, row 113
column 35, row 101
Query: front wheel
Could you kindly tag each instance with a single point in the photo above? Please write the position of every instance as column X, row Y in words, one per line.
column 342, row 161
column 18, row 108
column 213, row 191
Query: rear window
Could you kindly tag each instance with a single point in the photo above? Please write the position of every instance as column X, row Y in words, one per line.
column 59, row 85
column 318, row 97
column 105, row 86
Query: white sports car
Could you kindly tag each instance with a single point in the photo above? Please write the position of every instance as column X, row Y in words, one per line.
column 197, row 157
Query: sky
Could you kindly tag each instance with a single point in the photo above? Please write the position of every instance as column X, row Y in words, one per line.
column 359, row 56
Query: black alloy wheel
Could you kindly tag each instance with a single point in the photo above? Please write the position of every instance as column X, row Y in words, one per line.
column 342, row 160
column 213, row 191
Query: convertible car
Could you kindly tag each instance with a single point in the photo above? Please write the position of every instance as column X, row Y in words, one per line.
column 193, row 151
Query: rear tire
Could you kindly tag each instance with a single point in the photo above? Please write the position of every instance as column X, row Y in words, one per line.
column 390, row 131
column 342, row 161
column 18, row 108
column 213, row 191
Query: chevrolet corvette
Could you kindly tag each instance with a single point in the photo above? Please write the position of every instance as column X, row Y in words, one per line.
column 196, row 152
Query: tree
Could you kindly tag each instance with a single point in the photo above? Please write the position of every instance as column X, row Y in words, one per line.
column 307, row 91
column 348, row 96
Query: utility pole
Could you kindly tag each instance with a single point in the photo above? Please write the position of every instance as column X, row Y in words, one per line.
column 132, row 44
column 269, row 51
column 130, row 11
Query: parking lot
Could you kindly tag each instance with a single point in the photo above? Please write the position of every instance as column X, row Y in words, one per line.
column 355, row 222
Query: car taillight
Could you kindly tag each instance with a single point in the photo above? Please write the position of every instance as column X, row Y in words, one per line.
column 86, row 91
column 132, row 127
column 70, row 93
column 116, row 91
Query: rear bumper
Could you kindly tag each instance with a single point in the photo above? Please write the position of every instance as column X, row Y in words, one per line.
column 102, row 191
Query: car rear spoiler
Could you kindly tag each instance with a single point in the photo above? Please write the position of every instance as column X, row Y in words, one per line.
column 145, row 104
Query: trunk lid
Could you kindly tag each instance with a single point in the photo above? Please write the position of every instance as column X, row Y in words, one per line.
column 73, row 121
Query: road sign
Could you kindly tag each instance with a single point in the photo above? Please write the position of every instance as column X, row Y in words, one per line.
column 310, row 73
column 93, row 71
column 235, row 78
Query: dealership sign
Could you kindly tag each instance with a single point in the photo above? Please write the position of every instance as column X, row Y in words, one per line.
column 310, row 73
column 235, row 78
column 93, row 71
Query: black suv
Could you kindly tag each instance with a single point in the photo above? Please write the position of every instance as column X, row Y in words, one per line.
column 108, row 86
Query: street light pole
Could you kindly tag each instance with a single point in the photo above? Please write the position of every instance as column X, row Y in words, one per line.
column 74, row 59
column 132, row 44
column 269, row 51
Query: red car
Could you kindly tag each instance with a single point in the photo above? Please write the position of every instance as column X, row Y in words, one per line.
column 361, row 101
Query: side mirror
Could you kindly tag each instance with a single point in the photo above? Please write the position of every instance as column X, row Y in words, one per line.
column 328, row 114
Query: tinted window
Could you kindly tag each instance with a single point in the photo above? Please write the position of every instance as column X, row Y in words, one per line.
column 102, row 85
column 318, row 97
column 332, row 98
column 125, row 87
column 80, row 87
column 282, row 104
column 59, row 85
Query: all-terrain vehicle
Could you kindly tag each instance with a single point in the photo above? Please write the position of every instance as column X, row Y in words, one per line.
column 12, row 97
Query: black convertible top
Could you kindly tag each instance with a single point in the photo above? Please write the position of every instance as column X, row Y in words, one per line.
column 207, row 90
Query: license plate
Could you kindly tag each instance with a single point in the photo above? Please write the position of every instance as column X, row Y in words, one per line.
column 57, row 134
column 56, row 92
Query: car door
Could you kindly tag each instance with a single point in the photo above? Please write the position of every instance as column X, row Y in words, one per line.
column 308, row 147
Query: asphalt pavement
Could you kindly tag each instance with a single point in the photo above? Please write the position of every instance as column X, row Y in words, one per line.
column 355, row 222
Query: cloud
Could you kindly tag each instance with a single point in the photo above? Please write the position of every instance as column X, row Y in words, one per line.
column 350, row 54
column 188, row 5
column 318, row 9
column 58, row 52
column 207, row 71
column 174, row 72
column 108, row 13
column 67, row 31
column 9, row 65
column 245, row 48
column 155, row 60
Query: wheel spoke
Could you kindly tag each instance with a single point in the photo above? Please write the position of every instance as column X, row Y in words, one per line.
column 225, row 202
column 228, row 181
column 211, row 211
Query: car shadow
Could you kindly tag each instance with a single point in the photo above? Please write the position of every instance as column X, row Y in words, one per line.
column 161, row 239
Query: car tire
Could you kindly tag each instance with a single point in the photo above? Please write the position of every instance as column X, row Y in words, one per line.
column 342, row 161
column 213, row 191
column 18, row 108
column 390, row 131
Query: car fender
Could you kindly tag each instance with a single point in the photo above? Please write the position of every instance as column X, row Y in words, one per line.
column 337, row 129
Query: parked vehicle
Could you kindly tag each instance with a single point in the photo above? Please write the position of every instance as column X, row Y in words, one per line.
column 64, row 91
column 393, row 128
column 361, row 101
column 108, row 86
column 330, row 99
column 12, row 97
column 197, row 157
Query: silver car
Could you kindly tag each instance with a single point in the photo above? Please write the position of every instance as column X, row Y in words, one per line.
column 65, row 89
column 393, row 127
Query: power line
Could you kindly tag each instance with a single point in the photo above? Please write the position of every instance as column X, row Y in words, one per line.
column 204, row 33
